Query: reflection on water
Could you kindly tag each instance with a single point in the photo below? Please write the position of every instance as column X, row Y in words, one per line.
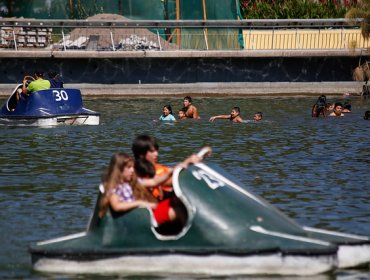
column 314, row 170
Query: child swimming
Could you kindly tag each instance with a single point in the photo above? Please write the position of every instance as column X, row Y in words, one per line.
column 233, row 117
column 167, row 114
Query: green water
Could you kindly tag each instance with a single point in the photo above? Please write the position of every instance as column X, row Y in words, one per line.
column 314, row 170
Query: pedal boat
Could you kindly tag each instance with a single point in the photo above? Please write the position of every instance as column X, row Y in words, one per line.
column 229, row 231
column 47, row 108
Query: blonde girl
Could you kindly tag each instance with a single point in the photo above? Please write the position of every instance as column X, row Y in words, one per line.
column 122, row 192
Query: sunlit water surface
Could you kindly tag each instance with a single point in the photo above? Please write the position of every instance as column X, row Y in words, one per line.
column 317, row 171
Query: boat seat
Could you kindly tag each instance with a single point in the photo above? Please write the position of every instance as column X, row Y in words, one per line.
column 167, row 229
column 170, row 228
column 175, row 227
column 13, row 100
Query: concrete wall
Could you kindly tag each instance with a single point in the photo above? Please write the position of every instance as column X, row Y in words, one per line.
column 155, row 70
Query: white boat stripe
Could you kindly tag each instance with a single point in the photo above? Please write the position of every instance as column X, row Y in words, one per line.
column 288, row 236
column 64, row 238
column 349, row 235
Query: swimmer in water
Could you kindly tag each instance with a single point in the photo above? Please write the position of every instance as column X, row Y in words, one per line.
column 337, row 111
column 182, row 114
column 257, row 116
column 233, row 117
column 167, row 114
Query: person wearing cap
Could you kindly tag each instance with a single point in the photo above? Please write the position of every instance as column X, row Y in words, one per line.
column 38, row 84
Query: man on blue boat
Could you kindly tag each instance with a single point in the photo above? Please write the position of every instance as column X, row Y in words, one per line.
column 38, row 84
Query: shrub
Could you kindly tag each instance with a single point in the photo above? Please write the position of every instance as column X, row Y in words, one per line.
column 293, row 9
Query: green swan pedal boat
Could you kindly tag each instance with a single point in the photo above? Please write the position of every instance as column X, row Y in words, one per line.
column 229, row 231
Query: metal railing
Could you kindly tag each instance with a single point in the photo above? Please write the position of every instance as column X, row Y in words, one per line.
column 156, row 35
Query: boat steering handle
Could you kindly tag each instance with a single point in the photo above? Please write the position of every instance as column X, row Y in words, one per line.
column 28, row 78
column 204, row 152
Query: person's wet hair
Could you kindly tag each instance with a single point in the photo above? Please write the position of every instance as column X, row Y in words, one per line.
column 236, row 109
column 188, row 98
column 39, row 73
column 367, row 115
column 169, row 108
column 337, row 104
column 347, row 105
column 144, row 168
column 321, row 101
column 317, row 111
column 319, row 107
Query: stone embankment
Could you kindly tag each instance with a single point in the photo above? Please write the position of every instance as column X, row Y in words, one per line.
column 246, row 89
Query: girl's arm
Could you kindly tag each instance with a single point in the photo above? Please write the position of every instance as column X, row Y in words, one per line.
column 219, row 117
column 123, row 206
column 156, row 180
column 167, row 177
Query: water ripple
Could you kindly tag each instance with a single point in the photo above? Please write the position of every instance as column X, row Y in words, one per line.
column 314, row 170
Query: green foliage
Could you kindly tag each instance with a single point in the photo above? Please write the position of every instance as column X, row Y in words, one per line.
column 291, row 9
column 361, row 10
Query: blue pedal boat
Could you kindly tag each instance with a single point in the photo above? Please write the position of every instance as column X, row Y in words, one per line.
column 47, row 108
column 229, row 231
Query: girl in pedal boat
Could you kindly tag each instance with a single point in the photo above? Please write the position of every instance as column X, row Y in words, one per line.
column 123, row 192
column 145, row 149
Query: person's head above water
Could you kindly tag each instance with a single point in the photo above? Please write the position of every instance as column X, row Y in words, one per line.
column 187, row 101
column 167, row 109
column 182, row 114
column 257, row 116
column 367, row 115
column 338, row 108
column 235, row 111
column 321, row 101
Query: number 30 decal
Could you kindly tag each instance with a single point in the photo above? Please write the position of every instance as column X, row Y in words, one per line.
column 60, row 95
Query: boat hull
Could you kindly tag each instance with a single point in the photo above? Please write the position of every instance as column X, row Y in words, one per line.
column 47, row 108
column 52, row 121
column 353, row 250
column 186, row 260
column 180, row 264
column 229, row 231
